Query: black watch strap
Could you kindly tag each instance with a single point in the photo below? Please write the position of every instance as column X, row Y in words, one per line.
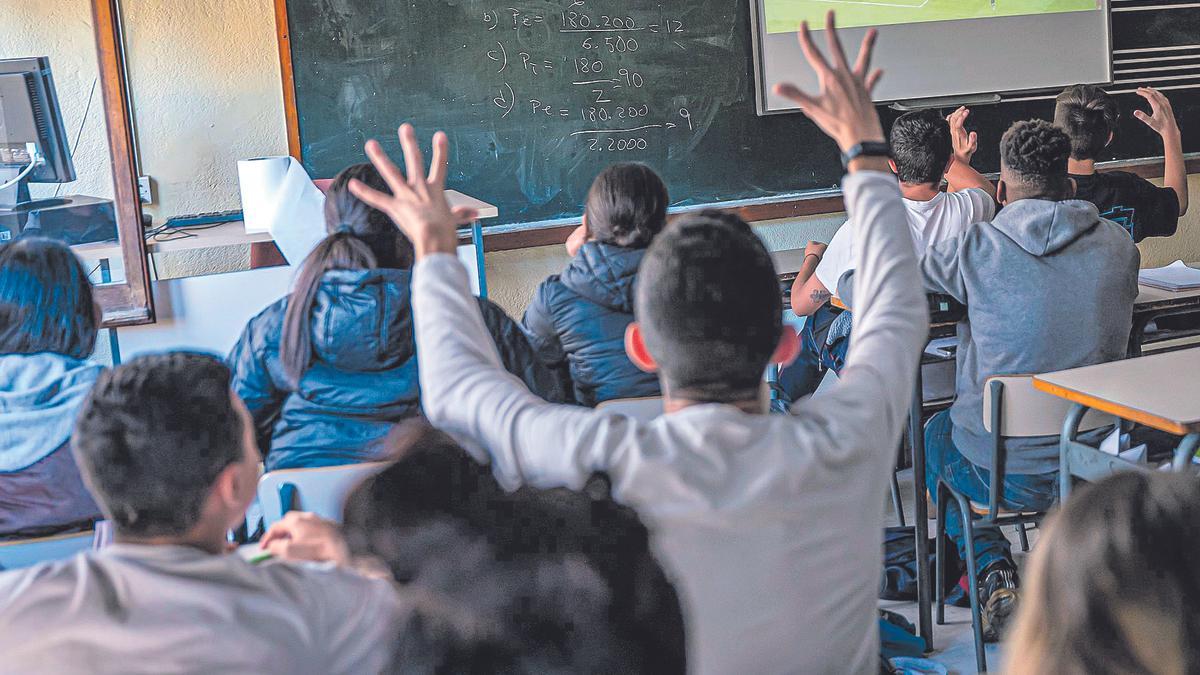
column 865, row 149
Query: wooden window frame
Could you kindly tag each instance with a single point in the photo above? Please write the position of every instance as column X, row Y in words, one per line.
column 127, row 303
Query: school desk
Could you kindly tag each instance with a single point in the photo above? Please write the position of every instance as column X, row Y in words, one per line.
column 1156, row 303
column 1160, row 391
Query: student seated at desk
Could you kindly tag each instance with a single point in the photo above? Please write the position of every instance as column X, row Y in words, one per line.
column 533, row 581
column 770, row 525
column 577, row 319
column 925, row 148
column 169, row 452
column 1112, row 585
column 1048, row 285
column 1089, row 116
column 48, row 324
column 327, row 370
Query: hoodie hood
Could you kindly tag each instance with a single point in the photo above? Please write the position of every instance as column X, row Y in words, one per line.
column 40, row 395
column 604, row 274
column 362, row 319
column 1044, row 227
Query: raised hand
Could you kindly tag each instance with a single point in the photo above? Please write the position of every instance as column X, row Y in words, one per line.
column 965, row 144
column 843, row 109
column 1161, row 117
column 417, row 203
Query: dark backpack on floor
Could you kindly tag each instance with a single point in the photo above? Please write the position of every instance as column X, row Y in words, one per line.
column 899, row 580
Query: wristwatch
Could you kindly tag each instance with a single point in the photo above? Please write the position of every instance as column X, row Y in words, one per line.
column 865, row 149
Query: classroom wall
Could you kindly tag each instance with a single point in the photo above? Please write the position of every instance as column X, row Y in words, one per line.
column 204, row 78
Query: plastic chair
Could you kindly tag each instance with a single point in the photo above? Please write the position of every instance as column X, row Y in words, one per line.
column 321, row 490
column 641, row 409
column 27, row 552
column 1012, row 408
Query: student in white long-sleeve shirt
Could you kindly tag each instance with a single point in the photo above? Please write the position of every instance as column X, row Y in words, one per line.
column 770, row 524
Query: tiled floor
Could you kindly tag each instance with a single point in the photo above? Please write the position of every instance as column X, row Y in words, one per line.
column 953, row 643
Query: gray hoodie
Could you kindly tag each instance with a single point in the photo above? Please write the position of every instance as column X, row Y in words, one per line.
column 1047, row 285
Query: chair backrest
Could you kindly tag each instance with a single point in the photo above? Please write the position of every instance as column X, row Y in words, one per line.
column 27, row 552
column 322, row 490
column 641, row 409
column 1026, row 411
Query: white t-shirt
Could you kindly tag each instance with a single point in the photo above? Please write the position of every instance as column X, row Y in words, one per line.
column 946, row 216
column 175, row 609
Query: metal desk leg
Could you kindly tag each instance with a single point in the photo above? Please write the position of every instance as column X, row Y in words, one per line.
column 1070, row 430
column 477, row 240
column 916, row 436
column 1184, row 452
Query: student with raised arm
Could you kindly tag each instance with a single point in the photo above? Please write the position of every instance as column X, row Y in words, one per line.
column 1089, row 115
column 770, row 524
column 925, row 148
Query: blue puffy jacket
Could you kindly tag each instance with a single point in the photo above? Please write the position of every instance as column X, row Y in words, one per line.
column 580, row 317
column 363, row 376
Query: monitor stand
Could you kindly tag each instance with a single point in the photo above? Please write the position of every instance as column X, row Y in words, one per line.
column 74, row 219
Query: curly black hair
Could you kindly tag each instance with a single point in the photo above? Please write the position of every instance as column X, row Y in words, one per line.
column 1089, row 115
column 921, row 147
column 1034, row 153
column 152, row 437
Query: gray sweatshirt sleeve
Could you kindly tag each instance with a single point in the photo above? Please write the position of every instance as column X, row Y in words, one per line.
column 866, row 410
column 466, row 391
column 942, row 267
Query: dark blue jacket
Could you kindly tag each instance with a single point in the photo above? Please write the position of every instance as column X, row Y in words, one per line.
column 363, row 375
column 580, row 316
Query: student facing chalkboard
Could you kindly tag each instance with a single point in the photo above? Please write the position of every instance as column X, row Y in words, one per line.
column 1089, row 116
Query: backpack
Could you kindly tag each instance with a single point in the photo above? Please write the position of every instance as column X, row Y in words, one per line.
column 899, row 581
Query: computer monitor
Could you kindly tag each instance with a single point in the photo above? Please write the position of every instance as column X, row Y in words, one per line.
column 34, row 149
column 33, row 140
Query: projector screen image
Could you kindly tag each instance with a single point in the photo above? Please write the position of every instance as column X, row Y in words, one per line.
column 945, row 49
column 783, row 16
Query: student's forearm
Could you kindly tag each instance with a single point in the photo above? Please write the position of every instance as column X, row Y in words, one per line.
column 963, row 176
column 465, row 389
column 798, row 297
column 1175, row 169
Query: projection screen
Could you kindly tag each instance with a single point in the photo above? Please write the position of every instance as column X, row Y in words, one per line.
column 941, row 48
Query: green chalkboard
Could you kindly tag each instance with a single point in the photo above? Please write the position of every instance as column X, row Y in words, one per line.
column 538, row 96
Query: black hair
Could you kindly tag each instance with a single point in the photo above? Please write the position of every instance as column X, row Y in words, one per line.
column 359, row 237
column 1034, row 155
column 627, row 205
column 921, row 147
column 1089, row 115
column 528, row 582
column 152, row 437
column 1113, row 585
column 46, row 300
column 709, row 305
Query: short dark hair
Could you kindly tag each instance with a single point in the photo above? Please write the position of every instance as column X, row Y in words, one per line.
column 921, row 147
column 152, row 437
column 627, row 205
column 1089, row 115
column 45, row 300
column 1035, row 152
column 1115, row 573
column 709, row 305
column 527, row 582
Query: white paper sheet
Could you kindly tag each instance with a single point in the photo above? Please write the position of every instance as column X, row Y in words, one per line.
column 1174, row 277
column 279, row 197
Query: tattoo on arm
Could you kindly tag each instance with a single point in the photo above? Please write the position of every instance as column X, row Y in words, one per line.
column 819, row 295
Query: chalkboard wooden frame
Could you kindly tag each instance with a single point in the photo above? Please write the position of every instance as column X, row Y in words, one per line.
column 516, row 237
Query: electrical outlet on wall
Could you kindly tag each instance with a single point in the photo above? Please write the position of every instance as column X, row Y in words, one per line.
column 145, row 191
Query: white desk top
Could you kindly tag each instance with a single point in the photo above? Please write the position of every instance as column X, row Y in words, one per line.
column 1162, row 390
column 234, row 234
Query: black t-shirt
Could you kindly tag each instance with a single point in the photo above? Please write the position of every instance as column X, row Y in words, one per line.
column 1141, row 207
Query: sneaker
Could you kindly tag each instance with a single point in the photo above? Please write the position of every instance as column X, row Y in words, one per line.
column 998, row 593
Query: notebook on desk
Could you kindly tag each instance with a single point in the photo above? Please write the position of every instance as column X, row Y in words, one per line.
column 1174, row 277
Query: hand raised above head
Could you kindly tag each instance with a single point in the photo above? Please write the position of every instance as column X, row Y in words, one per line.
column 417, row 203
column 1161, row 117
column 843, row 109
column 965, row 143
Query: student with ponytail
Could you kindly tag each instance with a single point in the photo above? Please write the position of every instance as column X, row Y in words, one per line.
column 327, row 370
